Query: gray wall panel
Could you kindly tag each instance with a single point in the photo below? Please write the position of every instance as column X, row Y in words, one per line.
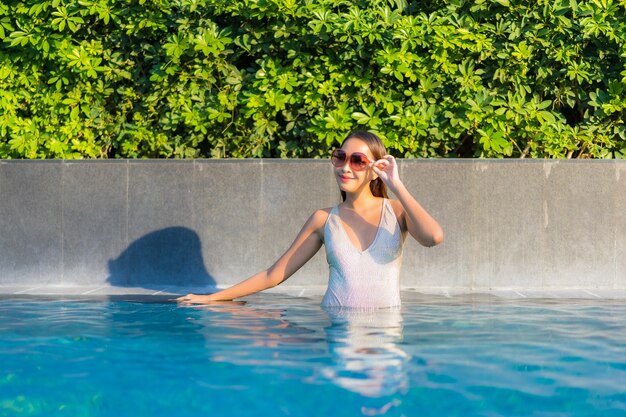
column 226, row 211
column 580, row 221
column 94, row 218
column 163, row 247
column 508, row 208
column 31, row 213
column 619, row 235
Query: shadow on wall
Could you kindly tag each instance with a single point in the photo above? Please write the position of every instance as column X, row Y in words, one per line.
column 171, row 256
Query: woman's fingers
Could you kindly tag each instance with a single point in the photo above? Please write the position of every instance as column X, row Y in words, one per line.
column 383, row 164
column 187, row 298
column 377, row 168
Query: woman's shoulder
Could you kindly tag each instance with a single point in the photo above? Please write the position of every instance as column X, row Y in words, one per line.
column 317, row 221
column 321, row 215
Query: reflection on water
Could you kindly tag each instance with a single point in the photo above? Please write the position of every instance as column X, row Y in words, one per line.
column 261, row 336
column 354, row 350
column 367, row 358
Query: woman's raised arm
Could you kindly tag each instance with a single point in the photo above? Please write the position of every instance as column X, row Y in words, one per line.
column 421, row 225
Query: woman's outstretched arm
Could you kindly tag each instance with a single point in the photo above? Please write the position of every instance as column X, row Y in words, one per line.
column 306, row 244
column 420, row 225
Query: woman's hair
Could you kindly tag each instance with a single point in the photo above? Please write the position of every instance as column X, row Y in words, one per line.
column 378, row 150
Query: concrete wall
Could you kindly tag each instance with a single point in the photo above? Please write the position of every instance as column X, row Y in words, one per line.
column 509, row 224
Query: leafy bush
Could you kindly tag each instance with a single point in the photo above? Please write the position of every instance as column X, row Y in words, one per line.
column 289, row 78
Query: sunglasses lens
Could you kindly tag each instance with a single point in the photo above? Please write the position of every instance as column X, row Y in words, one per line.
column 338, row 158
column 358, row 161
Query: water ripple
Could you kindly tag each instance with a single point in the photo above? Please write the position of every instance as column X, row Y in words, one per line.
column 279, row 355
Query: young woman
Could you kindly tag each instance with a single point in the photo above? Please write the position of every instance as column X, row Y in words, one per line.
column 363, row 235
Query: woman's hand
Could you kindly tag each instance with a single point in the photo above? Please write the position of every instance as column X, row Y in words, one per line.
column 387, row 169
column 195, row 299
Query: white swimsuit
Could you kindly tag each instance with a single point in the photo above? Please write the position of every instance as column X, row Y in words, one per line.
column 363, row 279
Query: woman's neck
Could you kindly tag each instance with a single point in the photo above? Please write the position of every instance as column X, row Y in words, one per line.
column 359, row 200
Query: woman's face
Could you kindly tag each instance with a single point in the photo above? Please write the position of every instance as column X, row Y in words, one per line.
column 349, row 179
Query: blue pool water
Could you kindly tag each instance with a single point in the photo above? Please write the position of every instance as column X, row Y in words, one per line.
column 286, row 356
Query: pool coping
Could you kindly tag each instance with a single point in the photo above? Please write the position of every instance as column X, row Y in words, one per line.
column 309, row 291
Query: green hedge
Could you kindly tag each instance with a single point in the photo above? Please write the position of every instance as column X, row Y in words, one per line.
column 289, row 78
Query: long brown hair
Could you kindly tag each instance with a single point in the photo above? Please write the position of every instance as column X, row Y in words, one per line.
column 378, row 150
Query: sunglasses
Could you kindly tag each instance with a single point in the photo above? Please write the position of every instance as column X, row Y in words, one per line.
column 358, row 161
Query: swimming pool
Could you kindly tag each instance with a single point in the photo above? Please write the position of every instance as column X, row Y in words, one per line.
column 286, row 356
